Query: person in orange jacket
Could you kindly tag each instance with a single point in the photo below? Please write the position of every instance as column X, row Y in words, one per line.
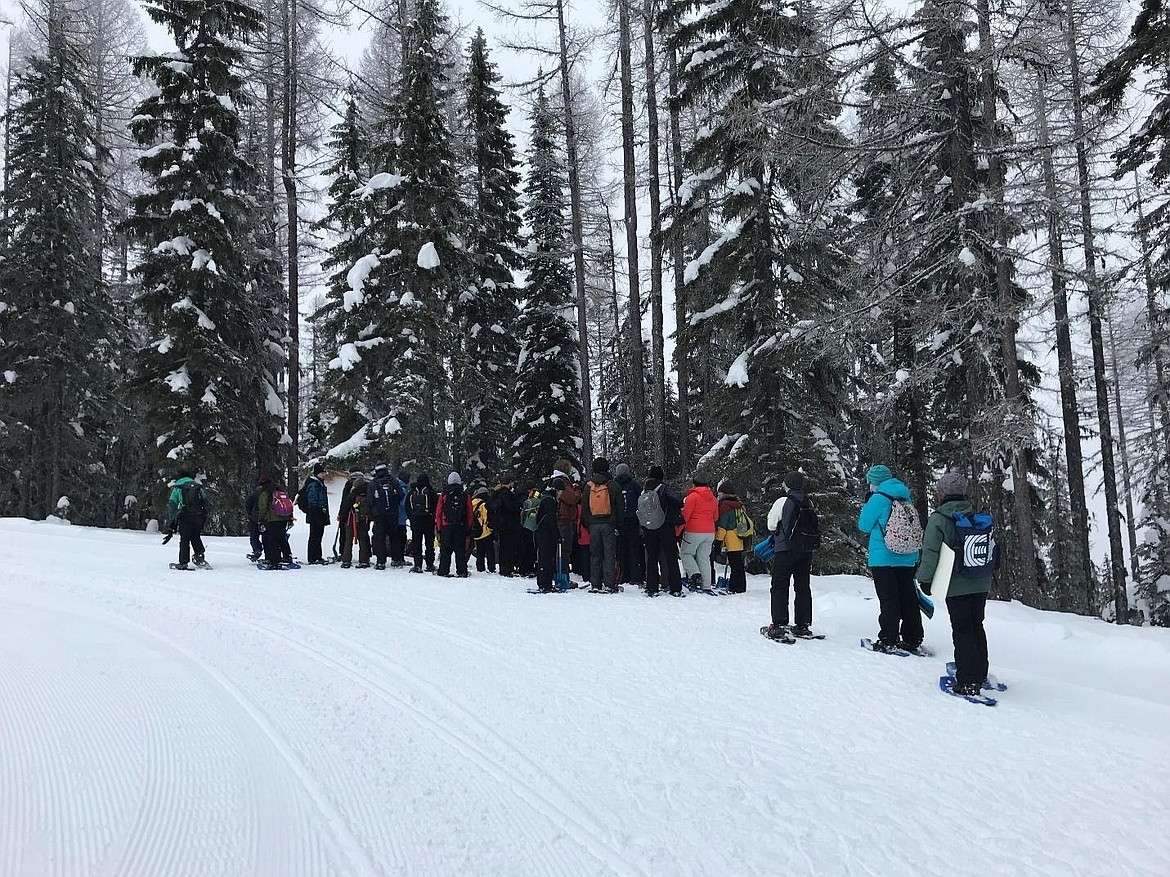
column 700, row 511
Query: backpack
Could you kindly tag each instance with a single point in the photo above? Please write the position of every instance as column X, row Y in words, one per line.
column 600, row 504
column 528, row 513
column 303, row 497
column 282, row 504
column 418, row 503
column 385, row 498
column 903, row 531
column 745, row 527
column 651, row 514
column 455, row 507
column 192, row 505
column 806, row 529
column 976, row 552
column 477, row 522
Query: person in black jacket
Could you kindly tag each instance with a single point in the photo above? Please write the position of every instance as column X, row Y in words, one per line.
column 504, row 519
column 420, row 510
column 631, row 554
column 252, row 510
column 661, row 543
column 385, row 495
column 354, row 517
column 547, row 536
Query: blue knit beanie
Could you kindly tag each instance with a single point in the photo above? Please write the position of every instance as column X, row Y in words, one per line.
column 878, row 474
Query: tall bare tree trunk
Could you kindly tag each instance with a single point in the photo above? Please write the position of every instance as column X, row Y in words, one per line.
column 680, row 288
column 1078, row 559
column 1153, row 319
column 1026, row 574
column 578, row 237
column 657, row 342
column 636, row 388
column 1123, row 451
column 288, row 172
column 1093, row 294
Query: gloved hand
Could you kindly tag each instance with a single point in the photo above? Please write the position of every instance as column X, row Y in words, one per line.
column 263, row 529
column 925, row 587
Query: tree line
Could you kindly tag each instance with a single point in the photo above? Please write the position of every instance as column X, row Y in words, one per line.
column 936, row 240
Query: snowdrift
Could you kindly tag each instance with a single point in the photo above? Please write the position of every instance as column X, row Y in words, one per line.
column 324, row 721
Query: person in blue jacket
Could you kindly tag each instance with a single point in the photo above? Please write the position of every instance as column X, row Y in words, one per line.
column 398, row 540
column 899, row 618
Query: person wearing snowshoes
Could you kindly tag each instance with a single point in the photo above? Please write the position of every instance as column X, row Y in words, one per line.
column 504, row 517
column 274, row 524
column 728, row 528
column 420, row 509
column 483, row 537
column 314, row 502
column 792, row 564
column 700, row 510
column 547, row 536
column 895, row 537
column 453, row 519
column 398, row 533
column 659, row 513
column 186, row 515
column 528, row 525
column 385, row 495
column 252, row 512
column 354, row 517
column 602, row 511
column 966, row 595
column 631, row 555
column 568, row 500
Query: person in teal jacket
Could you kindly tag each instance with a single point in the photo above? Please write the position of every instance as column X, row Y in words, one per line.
column 899, row 619
column 966, row 595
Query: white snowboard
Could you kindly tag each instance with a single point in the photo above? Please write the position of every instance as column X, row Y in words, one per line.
column 942, row 575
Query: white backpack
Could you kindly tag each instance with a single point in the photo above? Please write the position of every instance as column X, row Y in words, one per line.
column 903, row 531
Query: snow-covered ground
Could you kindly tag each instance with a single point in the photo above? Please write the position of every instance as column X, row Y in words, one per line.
column 327, row 721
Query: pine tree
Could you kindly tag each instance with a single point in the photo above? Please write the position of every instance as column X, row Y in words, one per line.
column 203, row 376
column 756, row 77
column 57, row 322
column 486, row 311
column 545, row 426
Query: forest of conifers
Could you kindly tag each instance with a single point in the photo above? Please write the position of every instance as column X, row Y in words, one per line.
column 743, row 235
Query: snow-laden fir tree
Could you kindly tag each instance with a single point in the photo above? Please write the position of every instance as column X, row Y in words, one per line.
column 56, row 354
column 396, row 338
column 486, row 310
column 546, row 425
column 757, row 78
column 205, row 382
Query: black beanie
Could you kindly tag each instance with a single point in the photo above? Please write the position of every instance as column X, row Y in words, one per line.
column 655, row 473
column 318, row 468
column 601, row 465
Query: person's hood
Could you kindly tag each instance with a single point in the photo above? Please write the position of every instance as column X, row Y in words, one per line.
column 801, row 496
column 482, row 493
column 422, row 480
column 600, row 478
column 957, row 507
column 702, row 489
column 181, row 482
column 729, row 501
column 894, row 488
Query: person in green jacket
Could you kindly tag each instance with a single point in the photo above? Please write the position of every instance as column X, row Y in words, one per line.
column 186, row 515
column 966, row 596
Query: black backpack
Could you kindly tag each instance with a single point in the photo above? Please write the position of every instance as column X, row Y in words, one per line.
column 418, row 503
column 455, row 507
column 194, row 506
column 303, row 497
column 806, row 529
column 385, row 497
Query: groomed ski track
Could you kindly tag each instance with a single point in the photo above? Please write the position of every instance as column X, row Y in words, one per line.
column 325, row 721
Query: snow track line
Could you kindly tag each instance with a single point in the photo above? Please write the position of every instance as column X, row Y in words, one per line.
column 586, row 836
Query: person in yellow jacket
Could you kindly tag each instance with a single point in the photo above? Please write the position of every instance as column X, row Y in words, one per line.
column 727, row 527
column 482, row 537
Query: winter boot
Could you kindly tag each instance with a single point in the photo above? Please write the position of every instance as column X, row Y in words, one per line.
column 201, row 561
column 379, row 566
column 695, row 582
column 778, row 632
column 417, row 569
column 345, row 564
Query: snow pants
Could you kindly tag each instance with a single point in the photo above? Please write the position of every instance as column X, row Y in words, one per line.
column 363, row 539
column 790, row 569
column 453, row 542
column 631, row 553
column 422, row 541
column 545, row 548
column 899, row 618
column 970, row 639
column 695, row 554
column 603, row 555
column 661, row 559
column 508, row 548
column 485, row 554
column 398, row 544
column 384, row 528
column 254, row 538
column 317, row 520
column 738, row 575
column 275, row 538
column 527, row 562
column 190, row 537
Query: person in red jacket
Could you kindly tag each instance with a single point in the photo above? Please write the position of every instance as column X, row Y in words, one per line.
column 453, row 517
column 700, row 511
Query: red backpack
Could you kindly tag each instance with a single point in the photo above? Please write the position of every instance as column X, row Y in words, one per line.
column 282, row 504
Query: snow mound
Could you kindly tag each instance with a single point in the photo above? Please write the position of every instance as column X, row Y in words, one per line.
column 428, row 257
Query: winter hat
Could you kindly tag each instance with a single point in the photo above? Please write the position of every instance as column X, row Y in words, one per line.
column 423, row 479
column 557, row 484
column 403, row 476
column 264, row 479
column 700, row 478
column 623, row 472
column 726, row 487
column 600, row 464
column 186, row 473
column 655, row 473
column 454, row 478
column 381, row 467
column 795, row 480
column 357, row 476
column 951, row 484
column 482, row 492
column 318, row 468
column 878, row 474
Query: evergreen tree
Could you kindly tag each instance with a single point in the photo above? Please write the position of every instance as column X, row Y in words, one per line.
column 203, row 376
column 57, row 322
column 545, row 426
column 486, row 311
column 757, row 78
